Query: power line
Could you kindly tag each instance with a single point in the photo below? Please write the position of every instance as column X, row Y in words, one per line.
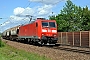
column 20, row 14
column 29, row 3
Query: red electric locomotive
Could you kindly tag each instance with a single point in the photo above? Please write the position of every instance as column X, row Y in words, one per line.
column 40, row 31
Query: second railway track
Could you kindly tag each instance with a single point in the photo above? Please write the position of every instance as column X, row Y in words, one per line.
column 73, row 49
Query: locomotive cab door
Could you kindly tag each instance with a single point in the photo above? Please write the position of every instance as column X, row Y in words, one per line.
column 36, row 29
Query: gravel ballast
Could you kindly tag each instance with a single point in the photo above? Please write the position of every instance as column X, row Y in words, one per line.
column 54, row 54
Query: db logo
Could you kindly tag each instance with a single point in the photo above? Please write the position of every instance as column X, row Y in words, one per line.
column 49, row 30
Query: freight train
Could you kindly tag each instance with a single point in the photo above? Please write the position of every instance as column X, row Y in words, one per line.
column 40, row 31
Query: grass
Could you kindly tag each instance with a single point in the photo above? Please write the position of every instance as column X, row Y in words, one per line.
column 2, row 44
column 10, row 53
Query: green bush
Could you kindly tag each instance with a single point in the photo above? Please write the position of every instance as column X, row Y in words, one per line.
column 2, row 44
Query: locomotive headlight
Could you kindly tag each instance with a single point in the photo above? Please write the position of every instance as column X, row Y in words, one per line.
column 42, row 34
column 43, row 30
column 54, row 31
column 54, row 35
column 39, row 37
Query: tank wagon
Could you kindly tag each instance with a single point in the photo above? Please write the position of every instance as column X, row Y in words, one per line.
column 11, row 33
column 40, row 31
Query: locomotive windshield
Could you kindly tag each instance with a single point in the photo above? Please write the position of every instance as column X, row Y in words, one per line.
column 48, row 24
column 44, row 24
column 52, row 24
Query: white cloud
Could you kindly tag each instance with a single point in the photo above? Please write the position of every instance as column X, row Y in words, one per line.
column 38, row 11
column 20, row 13
column 5, row 23
column 15, row 18
column 18, row 20
column 44, row 10
column 28, row 11
column 48, row 1
column 18, row 10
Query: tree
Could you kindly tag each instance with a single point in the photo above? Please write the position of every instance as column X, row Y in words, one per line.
column 68, row 17
column 85, row 19
column 73, row 18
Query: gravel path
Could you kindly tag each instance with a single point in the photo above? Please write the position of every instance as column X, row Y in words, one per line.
column 48, row 52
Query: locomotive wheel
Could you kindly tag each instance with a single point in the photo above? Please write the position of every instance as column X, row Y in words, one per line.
column 41, row 43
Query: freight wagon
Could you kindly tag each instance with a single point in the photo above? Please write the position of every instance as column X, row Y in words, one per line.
column 11, row 33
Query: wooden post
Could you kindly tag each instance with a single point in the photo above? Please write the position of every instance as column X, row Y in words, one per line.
column 66, row 38
column 61, row 37
column 80, row 38
column 89, row 38
column 73, row 38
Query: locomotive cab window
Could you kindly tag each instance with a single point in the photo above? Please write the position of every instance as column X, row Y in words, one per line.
column 44, row 24
column 48, row 24
column 52, row 24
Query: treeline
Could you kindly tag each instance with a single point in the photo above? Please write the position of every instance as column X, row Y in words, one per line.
column 73, row 18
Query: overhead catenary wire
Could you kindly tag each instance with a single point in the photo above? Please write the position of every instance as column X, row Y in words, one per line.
column 30, row 16
column 10, row 18
column 42, row 1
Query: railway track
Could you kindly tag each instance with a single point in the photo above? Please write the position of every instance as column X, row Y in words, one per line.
column 73, row 49
column 69, row 48
column 55, row 53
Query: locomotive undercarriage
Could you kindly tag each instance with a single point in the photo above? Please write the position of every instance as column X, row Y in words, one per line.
column 48, row 40
column 43, row 41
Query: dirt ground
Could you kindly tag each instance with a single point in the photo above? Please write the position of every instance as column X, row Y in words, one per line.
column 54, row 54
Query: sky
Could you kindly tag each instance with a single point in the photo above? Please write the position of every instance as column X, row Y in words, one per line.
column 14, row 12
